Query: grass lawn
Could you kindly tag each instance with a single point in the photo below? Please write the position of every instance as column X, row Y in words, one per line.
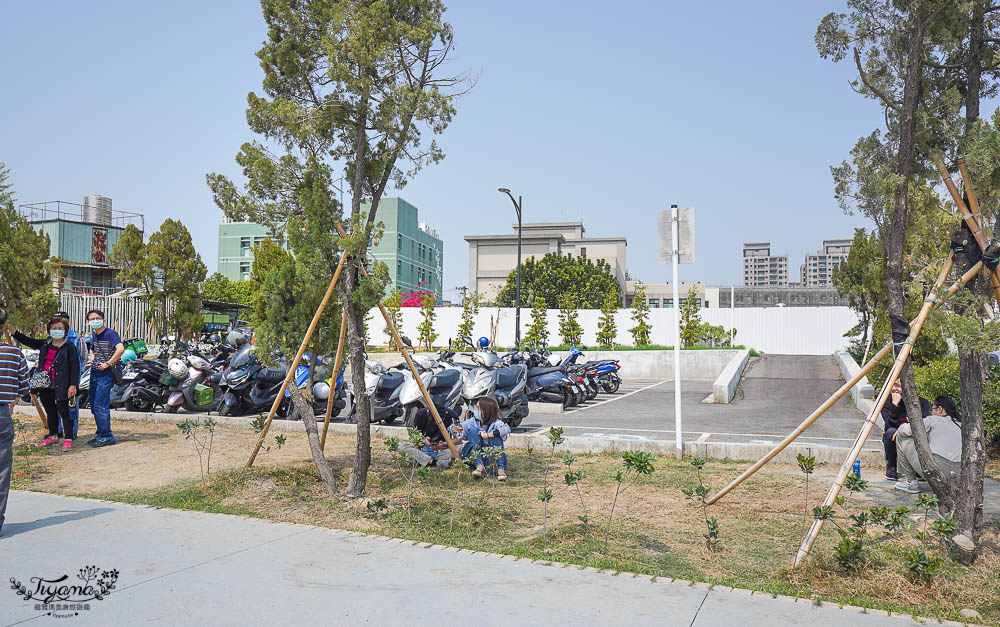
column 656, row 530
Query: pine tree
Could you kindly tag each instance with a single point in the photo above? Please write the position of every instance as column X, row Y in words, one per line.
column 607, row 330
column 538, row 332
column 470, row 307
column 640, row 316
column 569, row 328
column 690, row 318
column 426, row 328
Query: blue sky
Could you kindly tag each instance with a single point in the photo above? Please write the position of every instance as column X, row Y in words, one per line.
column 594, row 112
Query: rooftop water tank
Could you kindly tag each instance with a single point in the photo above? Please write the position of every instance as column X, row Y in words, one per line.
column 97, row 209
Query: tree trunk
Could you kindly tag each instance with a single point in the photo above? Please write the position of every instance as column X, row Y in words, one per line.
column 363, row 451
column 968, row 512
column 304, row 408
column 974, row 65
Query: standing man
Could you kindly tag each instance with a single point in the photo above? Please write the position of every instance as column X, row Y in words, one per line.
column 77, row 341
column 106, row 349
column 13, row 385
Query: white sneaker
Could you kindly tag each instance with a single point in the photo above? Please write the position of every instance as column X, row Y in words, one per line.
column 913, row 487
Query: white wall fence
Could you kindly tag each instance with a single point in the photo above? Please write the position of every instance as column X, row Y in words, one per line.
column 127, row 316
column 777, row 330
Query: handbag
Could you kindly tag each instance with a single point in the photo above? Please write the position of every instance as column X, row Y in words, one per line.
column 40, row 380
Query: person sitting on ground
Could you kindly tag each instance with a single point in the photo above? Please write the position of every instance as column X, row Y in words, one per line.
column 434, row 451
column 893, row 415
column 57, row 356
column 944, row 434
column 484, row 427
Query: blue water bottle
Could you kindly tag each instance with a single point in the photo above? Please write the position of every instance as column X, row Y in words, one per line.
column 857, row 468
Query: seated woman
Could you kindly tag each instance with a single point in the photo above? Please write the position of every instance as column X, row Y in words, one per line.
column 944, row 432
column 61, row 360
column 484, row 428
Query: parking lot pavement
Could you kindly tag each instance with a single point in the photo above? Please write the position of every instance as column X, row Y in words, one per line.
column 777, row 392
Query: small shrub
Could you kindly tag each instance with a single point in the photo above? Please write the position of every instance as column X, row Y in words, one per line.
column 700, row 492
column 635, row 464
column 203, row 444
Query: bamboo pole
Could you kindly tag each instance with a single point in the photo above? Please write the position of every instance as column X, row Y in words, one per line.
column 869, row 423
column 813, row 417
column 298, row 357
column 970, row 218
column 333, row 382
column 413, row 369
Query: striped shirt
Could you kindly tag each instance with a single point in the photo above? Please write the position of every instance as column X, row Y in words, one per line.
column 13, row 374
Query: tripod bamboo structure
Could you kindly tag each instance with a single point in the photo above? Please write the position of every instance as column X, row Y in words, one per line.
column 298, row 357
column 413, row 369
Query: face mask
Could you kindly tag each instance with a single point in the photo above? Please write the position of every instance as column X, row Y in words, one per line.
column 57, row 334
column 476, row 414
column 96, row 323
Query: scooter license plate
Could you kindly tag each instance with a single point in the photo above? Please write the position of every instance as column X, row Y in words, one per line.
column 128, row 376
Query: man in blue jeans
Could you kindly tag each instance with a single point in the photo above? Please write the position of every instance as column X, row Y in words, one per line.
column 106, row 349
column 13, row 385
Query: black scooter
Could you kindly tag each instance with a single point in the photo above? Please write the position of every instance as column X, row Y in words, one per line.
column 247, row 387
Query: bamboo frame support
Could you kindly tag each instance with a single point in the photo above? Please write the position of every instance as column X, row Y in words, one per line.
column 970, row 218
column 869, row 423
column 813, row 417
column 333, row 382
column 298, row 357
column 413, row 369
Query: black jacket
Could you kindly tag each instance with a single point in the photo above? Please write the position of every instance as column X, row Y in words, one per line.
column 425, row 424
column 65, row 368
column 895, row 415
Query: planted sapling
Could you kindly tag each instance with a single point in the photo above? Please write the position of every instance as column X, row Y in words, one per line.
column 700, row 492
column 635, row 464
column 807, row 465
column 190, row 429
column 555, row 436
column 573, row 478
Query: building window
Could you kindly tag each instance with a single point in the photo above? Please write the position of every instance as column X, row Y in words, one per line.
column 257, row 241
column 654, row 303
column 668, row 303
column 244, row 246
column 583, row 251
column 245, row 270
column 399, row 268
column 399, row 242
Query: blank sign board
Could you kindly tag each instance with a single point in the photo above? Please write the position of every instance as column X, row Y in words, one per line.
column 685, row 233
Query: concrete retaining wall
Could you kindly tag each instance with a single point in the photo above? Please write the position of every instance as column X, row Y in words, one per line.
column 725, row 384
column 717, row 450
column 862, row 393
column 703, row 365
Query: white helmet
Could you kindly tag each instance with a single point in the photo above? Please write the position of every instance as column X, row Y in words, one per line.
column 177, row 368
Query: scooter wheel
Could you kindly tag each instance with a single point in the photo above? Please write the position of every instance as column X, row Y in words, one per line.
column 569, row 399
column 138, row 405
column 389, row 420
column 171, row 409
column 225, row 410
column 614, row 386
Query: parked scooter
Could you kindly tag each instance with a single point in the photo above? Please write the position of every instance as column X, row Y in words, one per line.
column 442, row 380
column 549, row 384
column 248, row 387
column 383, row 386
column 194, row 390
column 320, row 389
column 605, row 370
column 498, row 378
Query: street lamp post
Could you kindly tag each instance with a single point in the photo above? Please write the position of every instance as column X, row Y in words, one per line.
column 517, row 315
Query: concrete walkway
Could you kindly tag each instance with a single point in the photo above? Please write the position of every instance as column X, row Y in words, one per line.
column 191, row 568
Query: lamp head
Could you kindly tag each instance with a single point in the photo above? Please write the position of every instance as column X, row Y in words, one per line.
column 503, row 190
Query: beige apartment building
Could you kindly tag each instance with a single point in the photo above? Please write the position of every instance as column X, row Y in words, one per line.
column 492, row 257
column 761, row 268
column 817, row 271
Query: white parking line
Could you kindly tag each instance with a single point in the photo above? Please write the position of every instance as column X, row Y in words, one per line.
column 616, row 398
column 718, row 433
column 703, row 437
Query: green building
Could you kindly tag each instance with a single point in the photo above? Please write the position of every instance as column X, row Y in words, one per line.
column 236, row 242
column 412, row 250
column 82, row 238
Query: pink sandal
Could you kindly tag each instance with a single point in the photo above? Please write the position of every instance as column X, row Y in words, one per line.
column 49, row 440
column 67, row 445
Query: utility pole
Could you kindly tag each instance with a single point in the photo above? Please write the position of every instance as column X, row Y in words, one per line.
column 675, row 254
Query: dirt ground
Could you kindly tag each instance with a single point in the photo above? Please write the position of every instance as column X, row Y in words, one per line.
column 150, row 455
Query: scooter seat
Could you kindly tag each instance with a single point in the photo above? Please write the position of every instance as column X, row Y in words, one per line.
column 507, row 377
column 534, row 372
column 271, row 375
column 389, row 381
column 446, row 379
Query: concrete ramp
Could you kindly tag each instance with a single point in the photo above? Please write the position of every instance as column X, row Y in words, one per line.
column 785, row 389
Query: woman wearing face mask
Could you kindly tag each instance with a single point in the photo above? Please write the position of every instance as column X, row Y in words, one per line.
column 61, row 360
column 484, row 427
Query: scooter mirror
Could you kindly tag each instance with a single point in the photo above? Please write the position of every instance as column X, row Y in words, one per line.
column 407, row 341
